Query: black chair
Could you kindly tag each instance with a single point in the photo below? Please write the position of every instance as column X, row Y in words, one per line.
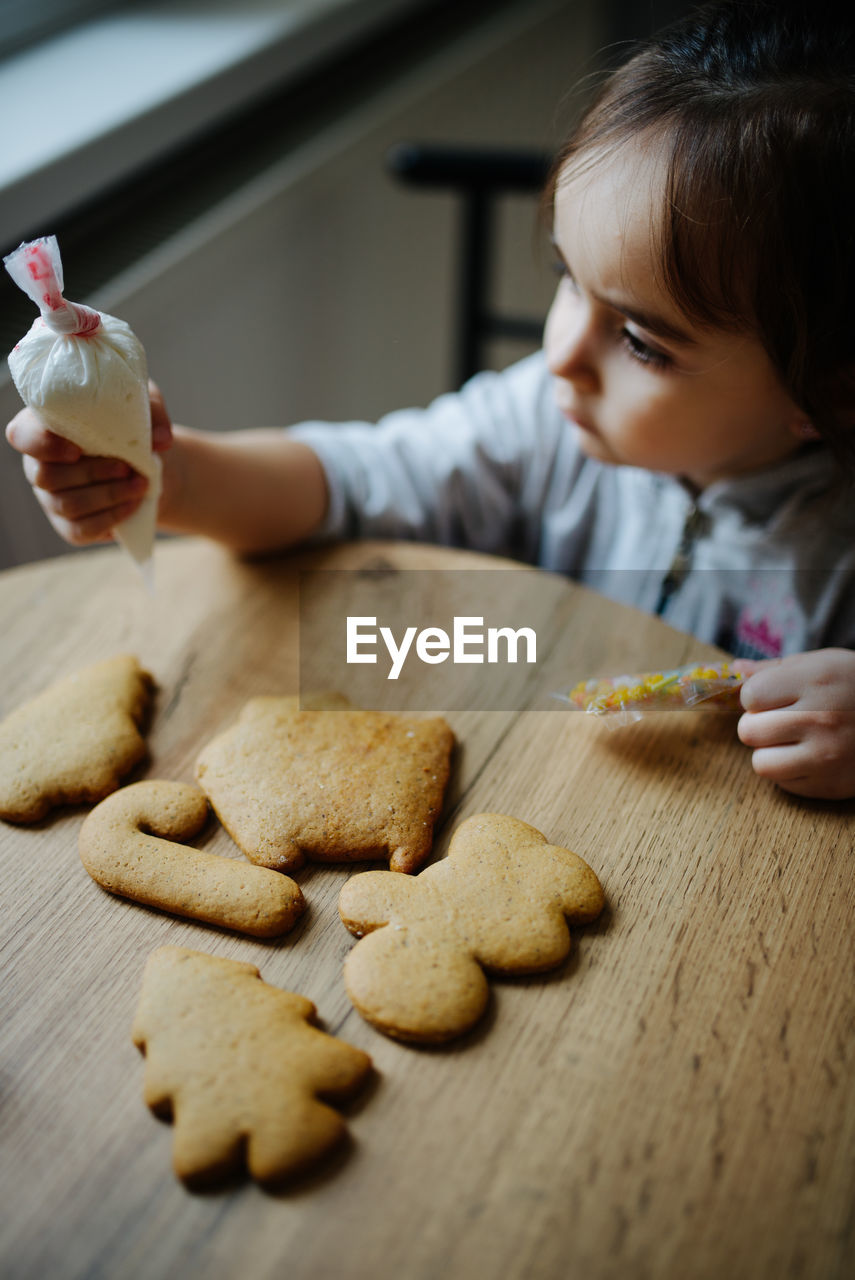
column 480, row 176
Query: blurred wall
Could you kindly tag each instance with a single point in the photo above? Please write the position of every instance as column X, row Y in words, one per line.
column 321, row 287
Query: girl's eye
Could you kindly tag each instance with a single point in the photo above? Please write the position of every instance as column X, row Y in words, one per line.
column 642, row 352
column 559, row 266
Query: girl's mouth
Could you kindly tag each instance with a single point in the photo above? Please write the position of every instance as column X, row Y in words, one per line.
column 575, row 420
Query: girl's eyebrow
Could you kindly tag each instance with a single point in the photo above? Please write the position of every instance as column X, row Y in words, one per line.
column 649, row 320
column 655, row 324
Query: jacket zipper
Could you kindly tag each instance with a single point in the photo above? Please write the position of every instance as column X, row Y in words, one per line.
column 692, row 528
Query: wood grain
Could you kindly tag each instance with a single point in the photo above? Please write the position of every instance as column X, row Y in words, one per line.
column 676, row 1101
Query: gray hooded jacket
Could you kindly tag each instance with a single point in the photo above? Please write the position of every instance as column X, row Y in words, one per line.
column 762, row 565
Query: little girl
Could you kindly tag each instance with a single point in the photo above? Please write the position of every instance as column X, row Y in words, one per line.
column 685, row 439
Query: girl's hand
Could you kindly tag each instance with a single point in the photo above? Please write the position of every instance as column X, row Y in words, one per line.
column 83, row 496
column 800, row 720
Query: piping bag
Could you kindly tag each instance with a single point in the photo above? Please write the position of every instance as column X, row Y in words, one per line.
column 85, row 373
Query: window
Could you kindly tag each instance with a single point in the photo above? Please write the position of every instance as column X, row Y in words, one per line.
column 24, row 21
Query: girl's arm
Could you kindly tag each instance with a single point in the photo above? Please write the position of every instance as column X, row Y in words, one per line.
column 251, row 490
column 800, row 721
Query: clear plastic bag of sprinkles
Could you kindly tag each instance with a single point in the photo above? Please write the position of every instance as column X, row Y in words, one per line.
column 627, row 698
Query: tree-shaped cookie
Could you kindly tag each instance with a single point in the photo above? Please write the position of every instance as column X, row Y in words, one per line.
column 239, row 1067
column 499, row 902
column 75, row 741
column 329, row 785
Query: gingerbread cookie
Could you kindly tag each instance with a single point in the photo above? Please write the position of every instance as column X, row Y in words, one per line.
column 128, row 844
column 239, row 1067
column 328, row 785
column 500, row 901
column 75, row 741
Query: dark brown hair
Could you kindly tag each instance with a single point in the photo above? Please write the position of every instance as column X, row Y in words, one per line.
column 754, row 104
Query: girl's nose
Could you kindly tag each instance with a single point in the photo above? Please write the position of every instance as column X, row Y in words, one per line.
column 570, row 344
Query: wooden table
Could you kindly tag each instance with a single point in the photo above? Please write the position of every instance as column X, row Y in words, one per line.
column 676, row 1101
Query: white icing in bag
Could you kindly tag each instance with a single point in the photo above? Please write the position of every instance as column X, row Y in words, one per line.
column 85, row 373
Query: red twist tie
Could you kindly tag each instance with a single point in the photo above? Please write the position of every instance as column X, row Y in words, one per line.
column 87, row 320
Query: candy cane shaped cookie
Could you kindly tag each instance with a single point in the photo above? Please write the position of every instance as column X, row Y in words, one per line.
column 128, row 845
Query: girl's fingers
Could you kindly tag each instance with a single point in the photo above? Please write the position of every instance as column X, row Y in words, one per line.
column 161, row 436
column 78, row 505
column 775, row 685
column 795, row 770
column 747, row 666
column 56, row 476
column 83, row 496
column 28, row 434
column 769, row 729
column 161, row 425
column 782, row 764
column 94, row 528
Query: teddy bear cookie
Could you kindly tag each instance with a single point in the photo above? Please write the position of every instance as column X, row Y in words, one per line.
column 500, row 901
column 129, row 844
column 329, row 783
column 240, row 1068
column 75, row 741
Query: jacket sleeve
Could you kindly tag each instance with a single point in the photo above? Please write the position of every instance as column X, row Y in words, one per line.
column 472, row 469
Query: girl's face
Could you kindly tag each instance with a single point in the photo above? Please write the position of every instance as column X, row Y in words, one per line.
column 644, row 386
